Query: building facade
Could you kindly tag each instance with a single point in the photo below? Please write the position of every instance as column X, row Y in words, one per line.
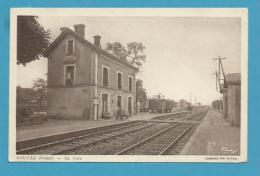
column 232, row 98
column 85, row 81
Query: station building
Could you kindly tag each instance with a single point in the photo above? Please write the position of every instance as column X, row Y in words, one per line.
column 85, row 81
column 231, row 91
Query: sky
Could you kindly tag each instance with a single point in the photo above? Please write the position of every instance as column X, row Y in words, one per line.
column 179, row 50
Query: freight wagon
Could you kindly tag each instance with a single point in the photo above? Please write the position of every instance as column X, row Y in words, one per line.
column 160, row 105
column 144, row 106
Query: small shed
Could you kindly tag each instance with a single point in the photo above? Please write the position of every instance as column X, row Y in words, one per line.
column 232, row 98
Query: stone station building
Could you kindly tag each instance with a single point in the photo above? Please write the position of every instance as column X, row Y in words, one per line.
column 85, row 81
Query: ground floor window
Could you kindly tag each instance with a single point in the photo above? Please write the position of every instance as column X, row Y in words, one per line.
column 69, row 75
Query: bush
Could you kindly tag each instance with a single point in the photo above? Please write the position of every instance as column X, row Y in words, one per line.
column 106, row 115
column 22, row 113
column 26, row 115
column 121, row 114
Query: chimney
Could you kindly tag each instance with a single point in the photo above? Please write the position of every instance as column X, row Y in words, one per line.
column 80, row 29
column 97, row 40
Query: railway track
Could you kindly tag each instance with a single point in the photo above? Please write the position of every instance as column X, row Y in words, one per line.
column 74, row 143
column 29, row 146
column 67, row 148
column 161, row 142
column 171, row 116
column 158, row 142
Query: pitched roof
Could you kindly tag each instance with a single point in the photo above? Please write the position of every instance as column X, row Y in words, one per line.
column 233, row 78
column 67, row 31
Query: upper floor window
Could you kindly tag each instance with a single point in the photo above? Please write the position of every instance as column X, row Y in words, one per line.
column 119, row 80
column 130, row 83
column 105, row 75
column 69, row 75
column 70, row 47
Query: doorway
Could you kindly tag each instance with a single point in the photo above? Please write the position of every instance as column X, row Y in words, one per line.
column 119, row 103
column 104, row 103
column 130, row 105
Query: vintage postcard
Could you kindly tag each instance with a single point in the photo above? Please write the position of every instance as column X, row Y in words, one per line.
column 128, row 85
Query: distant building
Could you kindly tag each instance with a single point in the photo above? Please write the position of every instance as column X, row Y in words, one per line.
column 231, row 91
column 182, row 104
column 84, row 80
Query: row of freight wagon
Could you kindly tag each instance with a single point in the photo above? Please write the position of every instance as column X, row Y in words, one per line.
column 157, row 105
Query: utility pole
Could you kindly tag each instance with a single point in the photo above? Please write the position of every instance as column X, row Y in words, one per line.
column 220, row 70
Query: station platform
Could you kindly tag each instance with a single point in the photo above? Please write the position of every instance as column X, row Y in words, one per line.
column 53, row 126
column 214, row 137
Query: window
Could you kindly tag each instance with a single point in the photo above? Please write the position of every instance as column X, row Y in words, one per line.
column 119, row 80
column 105, row 76
column 70, row 47
column 130, row 83
column 104, row 103
column 69, row 75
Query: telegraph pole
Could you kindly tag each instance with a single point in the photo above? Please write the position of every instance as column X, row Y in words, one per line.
column 220, row 69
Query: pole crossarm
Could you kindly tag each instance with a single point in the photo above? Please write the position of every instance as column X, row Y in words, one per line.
column 220, row 74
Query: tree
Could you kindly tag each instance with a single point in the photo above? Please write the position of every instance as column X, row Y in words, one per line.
column 133, row 53
column 32, row 39
column 141, row 95
column 136, row 54
column 40, row 87
column 117, row 49
column 24, row 95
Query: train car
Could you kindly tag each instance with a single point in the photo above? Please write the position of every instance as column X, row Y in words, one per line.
column 144, row 106
column 153, row 105
column 189, row 108
column 163, row 106
column 160, row 105
column 169, row 105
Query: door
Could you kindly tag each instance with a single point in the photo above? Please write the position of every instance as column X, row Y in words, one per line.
column 119, row 104
column 226, row 108
column 130, row 105
column 104, row 103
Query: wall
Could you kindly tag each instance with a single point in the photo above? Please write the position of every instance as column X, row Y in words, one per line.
column 113, row 68
column 225, row 105
column 69, row 103
column 75, row 101
column 234, row 103
column 58, row 59
column 112, row 88
column 112, row 100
